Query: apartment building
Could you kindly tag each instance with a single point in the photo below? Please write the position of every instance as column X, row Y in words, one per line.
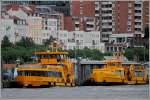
column 80, row 40
column 82, row 16
column 36, row 22
column 106, row 20
column 118, row 42
column 121, row 17
column 13, row 27
column 106, row 17
column 50, row 28
column 7, row 29
column 35, row 29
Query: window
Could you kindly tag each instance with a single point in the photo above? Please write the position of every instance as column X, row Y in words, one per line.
column 129, row 23
column 54, row 74
column 45, row 28
column 129, row 11
column 107, row 17
column 129, row 4
column 129, row 17
column 119, row 72
column 129, row 28
column 137, row 5
column 45, row 22
column 137, row 23
column 137, row 17
column 107, row 11
column 137, row 11
column 139, row 73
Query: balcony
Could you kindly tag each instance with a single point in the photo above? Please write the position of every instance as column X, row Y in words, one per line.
column 108, row 20
column 107, row 8
column 106, row 26
column 138, row 26
column 97, row 14
column 138, row 2
column 138, row 14
column 90, row 22
column 96, row 2
column 107, row 2
column 108, row 14
column 138, row 20
column 105, row 39
column 76, row 22
column 138, row 8
column 90, row 29
column 77, row 29
column 138, row 32
column 110, row 32
column 97, row 7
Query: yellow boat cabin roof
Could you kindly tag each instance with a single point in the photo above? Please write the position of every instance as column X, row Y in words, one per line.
column 113, row 61
column 49, row 52
column 38, row 67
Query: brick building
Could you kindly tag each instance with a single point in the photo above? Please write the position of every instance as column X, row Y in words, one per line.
column 82, row 16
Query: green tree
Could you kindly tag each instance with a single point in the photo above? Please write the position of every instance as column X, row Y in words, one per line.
column 86, row 53
column 141, row 54
column 108, row 54
column 129, row 53
column 49, row 41
column 6, row 42
column 25, row 42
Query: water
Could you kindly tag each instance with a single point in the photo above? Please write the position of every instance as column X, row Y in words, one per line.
column 138, row 92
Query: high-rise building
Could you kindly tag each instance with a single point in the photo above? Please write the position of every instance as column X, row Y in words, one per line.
column 117, row 17
column 82, row 16
column 106, row 20
column 145, row 14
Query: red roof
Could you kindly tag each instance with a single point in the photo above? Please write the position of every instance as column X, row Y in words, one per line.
column 9, row 66
column 14, row 17
column 13, row 7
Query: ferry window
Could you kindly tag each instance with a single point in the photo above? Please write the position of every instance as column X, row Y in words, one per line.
column 59, row 74
column 53, row 74
column 41, row 73
column 46, row 56
column 36, row 73
column 118, row 64
column 61, row 65
column 139, row 73
column 39, row 56
column 42, row 56
column 26, row 73
column 19, row 73
column 49, row 73
column 56, row 75
column 119, row 72
column 46, row 73
column 111, row 64
column 53, row 56
column 22, row 73
column 49, row 56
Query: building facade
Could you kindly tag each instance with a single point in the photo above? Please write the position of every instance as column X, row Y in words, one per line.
column 80, row 40
column 82, row 19
column 8, row 29
column 117, row 17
